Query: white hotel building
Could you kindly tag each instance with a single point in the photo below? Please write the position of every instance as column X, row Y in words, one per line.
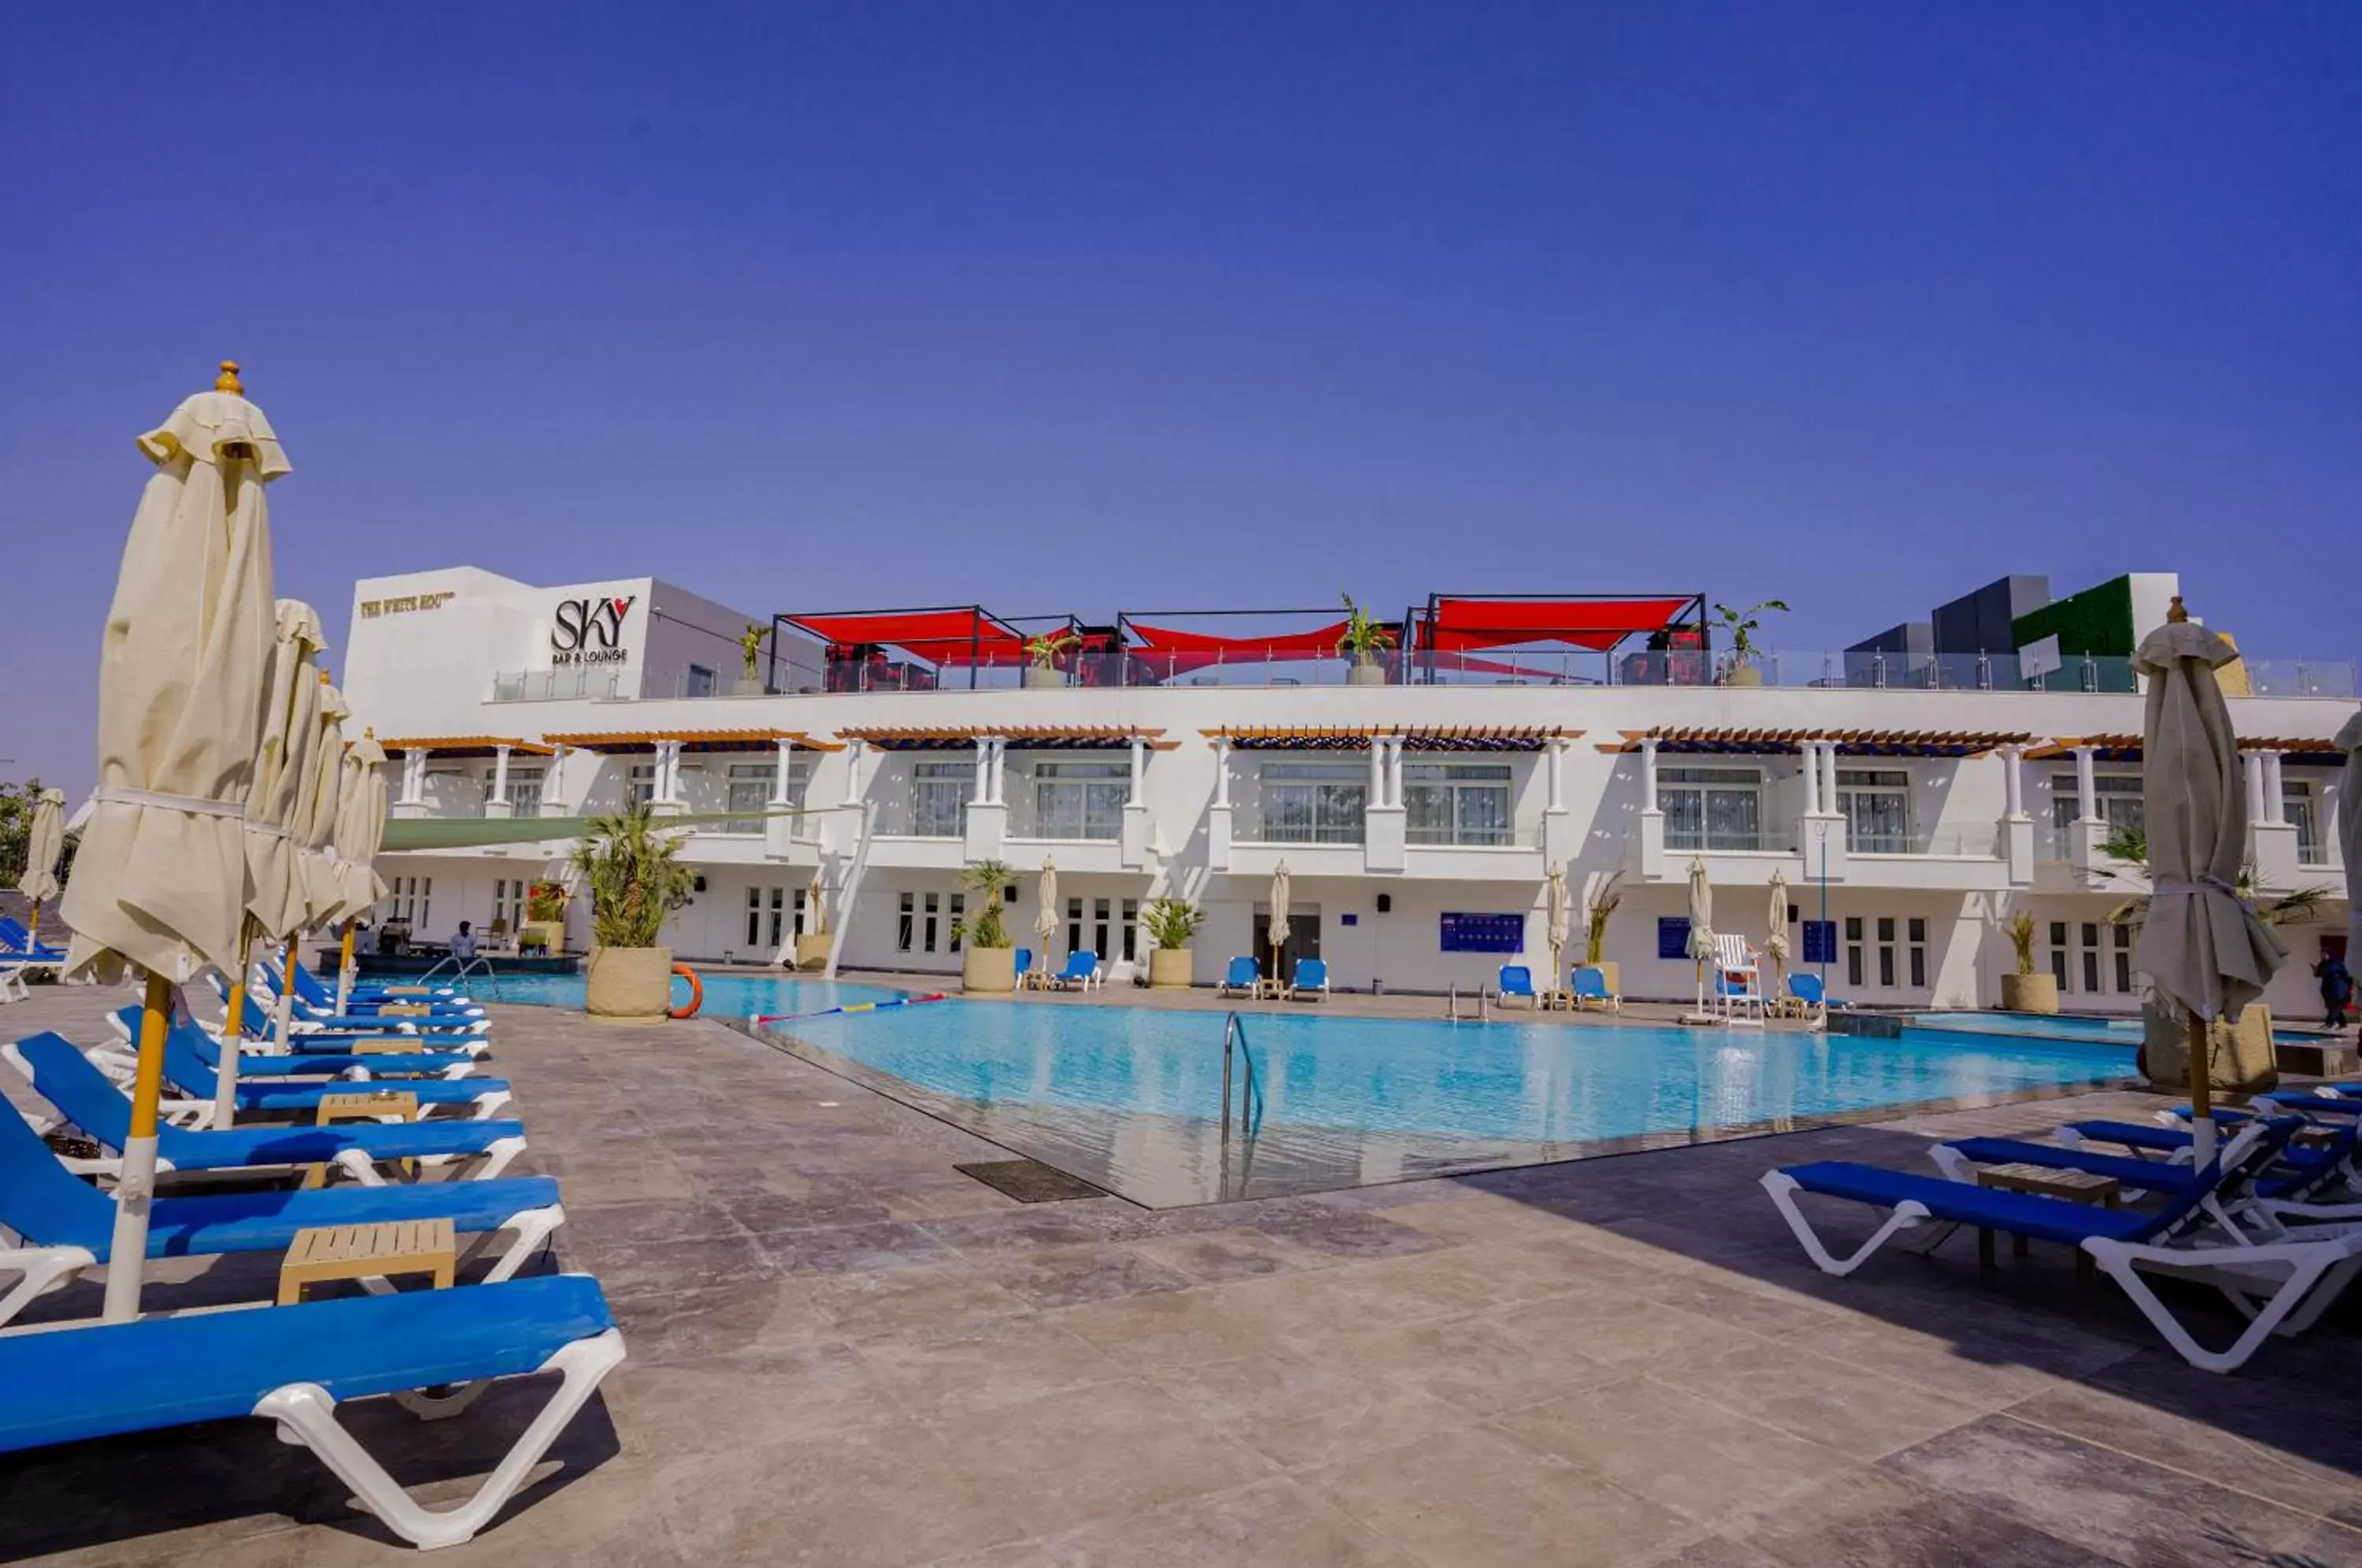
column 1915, row 806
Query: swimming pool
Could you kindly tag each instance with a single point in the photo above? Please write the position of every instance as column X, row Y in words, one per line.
column 1130, row 1097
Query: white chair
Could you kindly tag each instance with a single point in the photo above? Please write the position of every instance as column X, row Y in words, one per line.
column 1739, row 983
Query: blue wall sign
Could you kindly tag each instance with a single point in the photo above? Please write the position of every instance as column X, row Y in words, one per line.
column 1349, row 918
column 1672, row 936
column 1820, row 942
column 1484, row 932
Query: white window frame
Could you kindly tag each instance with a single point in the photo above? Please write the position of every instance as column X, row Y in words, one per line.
column 940, row 792
column 1862, row 793
column 1332, row 797
column 1081, row 802
column 1679, row 785
column 1457, row 799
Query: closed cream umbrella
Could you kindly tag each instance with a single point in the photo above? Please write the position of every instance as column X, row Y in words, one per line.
column 1045, row 918
column 1775, row 944
column 270, row 873
column 1562, row 930
column 2349, row 833
column 2205, row 951
column 160, row 880
column 45, row 844
column 1279, row 892
column 313, row 892
column 1701, row 934
column 361, row 824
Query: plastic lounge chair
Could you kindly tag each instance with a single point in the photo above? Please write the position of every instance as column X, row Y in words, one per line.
column 1081, row 973
column 1241, row 977
column 65, row 1225
column 375, row 993
column 1590, row 987
column 1023, row 964
column 375, row 1064
column 1310, row 982
column 15, row 941
column 2283, row 1286
column 302, row 1019
column 2293, row 1187
column 391, row 1035
column 313, row 997
column 186, row 1069
column 293, row 1365
column 1806, row 992
column 89, row 1099
column 1514, row 980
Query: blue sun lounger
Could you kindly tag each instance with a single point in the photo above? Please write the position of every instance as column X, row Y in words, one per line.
column 17, row 942
column 186, row 1069
column 2282, row 1286
column 65, row 1225
column 314, row 1035
column 259, row 1064
column 89, row 1099
column 2303, row 1174
column 1310, row 980
column 318, row 996
column 1240, row 977
column 1514, row 980
column 293, row 1365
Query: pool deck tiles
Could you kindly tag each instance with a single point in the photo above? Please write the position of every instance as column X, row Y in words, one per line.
column 843, row 1352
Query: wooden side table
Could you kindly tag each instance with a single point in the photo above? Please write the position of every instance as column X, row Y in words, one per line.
column 368, row 1252
column 364, row 1105
column 2075, row 1186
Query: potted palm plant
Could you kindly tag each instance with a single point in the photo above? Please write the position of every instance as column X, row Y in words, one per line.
column 988, row 963
column 637, row 880
column 2240, row 1055
column 1605, row 900
column 1171, row 923
column 544, row 917
column 1363, row 641
column 2026, row 991
column 750, row 661
column 1042, row 654
column 1742, row 625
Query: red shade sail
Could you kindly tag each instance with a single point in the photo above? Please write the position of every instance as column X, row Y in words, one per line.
column 939, row 636
column 1177, row 651
column 1598, row 623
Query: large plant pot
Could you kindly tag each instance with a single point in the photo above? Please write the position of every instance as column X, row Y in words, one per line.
column 811, row 951
column 1037, row 679
column 551, row 932
column 989, row 971
column 1365, row 675
column 2029, row 993
column 747, row 687
column 2243, row 1063
column 1743, row 675
column 1170, row 968
column 628, row 982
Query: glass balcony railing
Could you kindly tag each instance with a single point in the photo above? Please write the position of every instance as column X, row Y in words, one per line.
column 1970, row 843
column 1730, row 841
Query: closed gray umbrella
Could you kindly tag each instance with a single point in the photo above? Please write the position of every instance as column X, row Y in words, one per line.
column 2206, row 952
column 1701, row 934
column 45, row 843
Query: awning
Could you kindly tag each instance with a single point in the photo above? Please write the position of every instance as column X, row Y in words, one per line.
column 1020, row 737
column 1463, row 624
column 961, row 635
column 466, row 745
column 2127, row 749
column 475, row 833
column 1175, row 651
column 1351, row 737
column 617, row 743
column 1849, row 742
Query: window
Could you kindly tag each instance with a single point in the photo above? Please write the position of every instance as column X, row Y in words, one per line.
column 409, row 900
column 920, row 926
column 939, row 793
column 1080, row 799
column 508, row 902
column 1886, row 950
column 749, row 786
column 766, row 918
column 1074, row 925
column 2091, row 955
column 1314, row 802
column 2296, row 810
column 2116, row 795
column 959, row 913
column 1916, row 932
column 1853, row 950
column 903, row 922
column 2059, row 955
column 931, row 922
column 524, row 791
column 643, row 783
column 1132, row 929
column 700, row 683
column 1711, row 808
column 1456, row 802
column 2123, row 944
column 1876, row 805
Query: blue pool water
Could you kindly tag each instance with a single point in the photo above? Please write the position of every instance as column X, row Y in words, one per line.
column 726, row 995
column 1131, row 1097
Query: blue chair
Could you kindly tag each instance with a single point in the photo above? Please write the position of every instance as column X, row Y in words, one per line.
column 315, row 997
column 1806, row 989
column 1514, row 980
column 17, row 942
column 67, row 1226
column 256, row 1024
column 1241, row 977
column 331, row 1065
column 186, row 1069
column 1081, row 973
column 1310, row 982
column 2121, row 1241
column 319, row 993
column 1590, row 988
column 87, row 1097
column 293, row 1365
column 1023, row 965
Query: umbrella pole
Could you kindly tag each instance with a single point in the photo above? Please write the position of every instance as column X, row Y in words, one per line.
column 2201, row 1087
column 284, row 1021
column 233, row 1030
column 345, row 971
column 33, row 927
column 136, row 1188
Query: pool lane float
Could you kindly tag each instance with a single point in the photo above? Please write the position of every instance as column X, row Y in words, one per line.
column 696, row 993
column 849, row 1008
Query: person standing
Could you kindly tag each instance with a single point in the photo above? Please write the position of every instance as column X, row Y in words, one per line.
column 2336, row 989
column 463, row 947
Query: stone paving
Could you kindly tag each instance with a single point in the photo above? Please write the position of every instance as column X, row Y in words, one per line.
column 844, row 1352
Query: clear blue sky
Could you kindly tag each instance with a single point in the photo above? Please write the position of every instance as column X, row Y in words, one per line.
column 1091, row 305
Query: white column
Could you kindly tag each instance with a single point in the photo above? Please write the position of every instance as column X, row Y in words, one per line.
column 1812, row 750
column 1139, row 766
column 413, row 777
column 1649, row 773
column 1394, row 766
column 853, row 750
column 779, row 783
column 2275, row 790
column 2014, row 780
column 2251, row 779
column 1222, row 770
column 998, row 777
column 1830, row 778
column 981, row 791
column 553, row 782
column 1377, row 771
column 1557, row 775
column 501, row 774
column 2087, row 787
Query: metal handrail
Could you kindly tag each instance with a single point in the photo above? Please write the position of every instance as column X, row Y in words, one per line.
column 1234, row 1039
column 465, row 967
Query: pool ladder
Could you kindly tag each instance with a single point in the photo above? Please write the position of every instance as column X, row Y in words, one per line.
column 1454, row 1015
column 1249, row 1097
column 479, row 967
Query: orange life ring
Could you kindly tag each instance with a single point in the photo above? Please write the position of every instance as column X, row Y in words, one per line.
column 696, row 993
